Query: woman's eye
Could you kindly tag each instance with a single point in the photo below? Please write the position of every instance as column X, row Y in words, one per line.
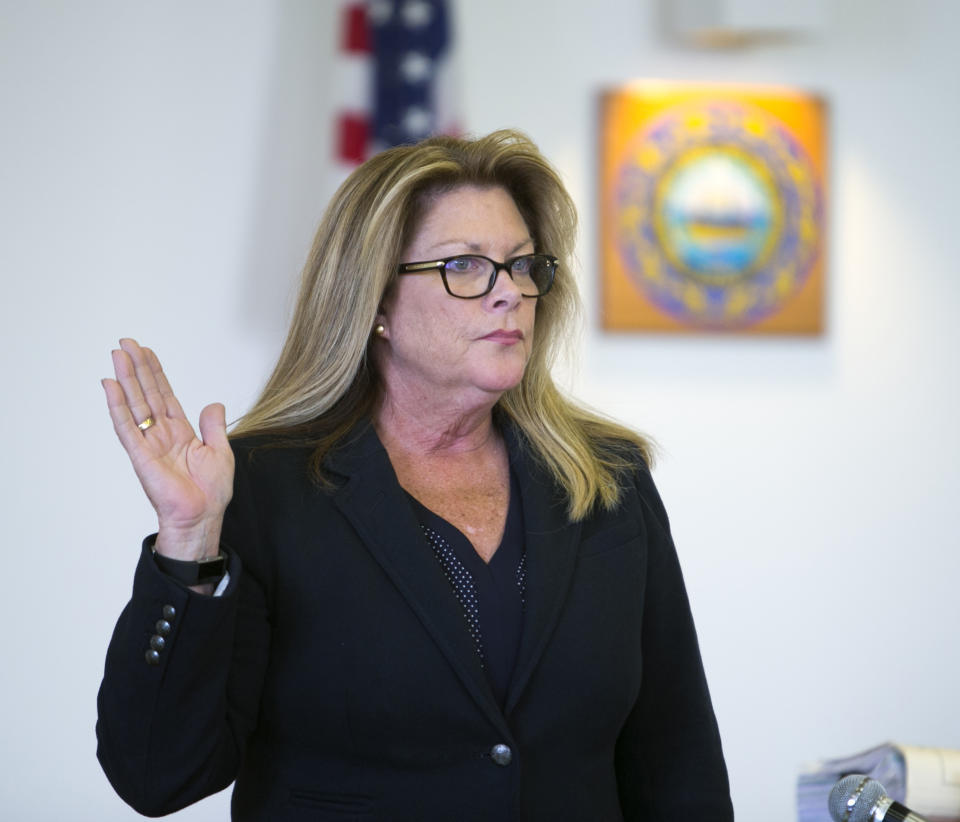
column 521, row 265
column 462, row 265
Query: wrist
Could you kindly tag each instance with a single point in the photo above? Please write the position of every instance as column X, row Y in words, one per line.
column 193, row 544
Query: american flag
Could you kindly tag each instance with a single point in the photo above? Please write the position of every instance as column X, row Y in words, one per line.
column 397, row 68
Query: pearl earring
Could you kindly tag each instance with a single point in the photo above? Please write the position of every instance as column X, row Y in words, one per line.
column 378, row 329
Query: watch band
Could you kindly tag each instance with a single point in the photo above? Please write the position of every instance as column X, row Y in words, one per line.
column 208, row 570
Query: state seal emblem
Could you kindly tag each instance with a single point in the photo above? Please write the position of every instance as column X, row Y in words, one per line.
column 712, row 216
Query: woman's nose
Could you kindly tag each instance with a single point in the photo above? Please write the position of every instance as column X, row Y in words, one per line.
column 505, row 291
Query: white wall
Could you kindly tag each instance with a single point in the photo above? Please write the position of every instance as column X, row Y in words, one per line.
column 162, row 167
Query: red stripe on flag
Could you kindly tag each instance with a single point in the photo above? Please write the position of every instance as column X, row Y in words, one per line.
column 353, row 131
column 356, row 33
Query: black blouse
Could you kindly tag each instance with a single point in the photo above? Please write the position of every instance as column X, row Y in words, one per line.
column 491, row 594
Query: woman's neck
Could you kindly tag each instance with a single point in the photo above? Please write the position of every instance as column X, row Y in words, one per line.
column 434, row 429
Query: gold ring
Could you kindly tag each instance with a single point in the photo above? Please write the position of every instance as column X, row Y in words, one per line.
column 147, row 423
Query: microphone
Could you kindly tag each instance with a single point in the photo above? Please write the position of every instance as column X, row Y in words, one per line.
column 858, row 798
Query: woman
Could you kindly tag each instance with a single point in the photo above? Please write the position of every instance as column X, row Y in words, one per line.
column 416, row 583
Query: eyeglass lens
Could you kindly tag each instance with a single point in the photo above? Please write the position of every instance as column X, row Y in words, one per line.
column 471, row 276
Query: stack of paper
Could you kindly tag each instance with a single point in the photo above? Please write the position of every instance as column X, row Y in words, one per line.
column 926, row 780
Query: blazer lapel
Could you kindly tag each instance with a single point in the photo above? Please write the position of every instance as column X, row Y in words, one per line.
column 376, row 506
column 551, row 546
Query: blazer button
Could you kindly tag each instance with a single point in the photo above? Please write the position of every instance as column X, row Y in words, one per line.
column 152, row 657
column 169, row 612
column 501, row 754
column 158, row 643
column 163, row 627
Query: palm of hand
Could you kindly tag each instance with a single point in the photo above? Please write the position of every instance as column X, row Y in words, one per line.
column 185, row 479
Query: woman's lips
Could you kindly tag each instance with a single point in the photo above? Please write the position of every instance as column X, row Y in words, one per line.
column 504, row 336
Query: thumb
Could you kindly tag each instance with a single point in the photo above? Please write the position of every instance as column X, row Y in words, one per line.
column 213, row 426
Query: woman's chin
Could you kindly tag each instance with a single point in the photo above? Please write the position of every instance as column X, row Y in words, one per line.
column 500, row 380
column 504, row 371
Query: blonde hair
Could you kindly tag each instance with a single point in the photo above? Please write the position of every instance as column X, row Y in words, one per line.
column 325, row 379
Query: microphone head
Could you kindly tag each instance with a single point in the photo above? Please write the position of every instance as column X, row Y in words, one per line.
column 864, row 792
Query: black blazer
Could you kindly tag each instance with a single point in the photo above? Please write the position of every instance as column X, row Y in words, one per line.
column 336, row 679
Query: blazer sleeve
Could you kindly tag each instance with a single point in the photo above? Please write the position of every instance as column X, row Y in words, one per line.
column 669, row 759
column 172, row 728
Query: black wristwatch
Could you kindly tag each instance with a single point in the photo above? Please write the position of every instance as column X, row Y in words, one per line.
column 205, row 571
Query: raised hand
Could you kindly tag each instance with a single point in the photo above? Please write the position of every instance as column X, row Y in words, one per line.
column 188, row 480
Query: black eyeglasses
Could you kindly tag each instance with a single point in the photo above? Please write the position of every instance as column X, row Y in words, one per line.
column 471, row 275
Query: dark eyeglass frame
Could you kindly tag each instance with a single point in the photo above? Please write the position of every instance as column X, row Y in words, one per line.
column 428, row 266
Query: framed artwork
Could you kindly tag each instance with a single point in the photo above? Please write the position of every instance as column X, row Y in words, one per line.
column 712, row 209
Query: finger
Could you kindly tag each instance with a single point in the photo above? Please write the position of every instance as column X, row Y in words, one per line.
column 129, row 382
column 170, row 401
column 124, row 423
column 213, row 426
column 145, row 376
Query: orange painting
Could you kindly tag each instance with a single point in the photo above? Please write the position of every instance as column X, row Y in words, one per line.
column 712, row 209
